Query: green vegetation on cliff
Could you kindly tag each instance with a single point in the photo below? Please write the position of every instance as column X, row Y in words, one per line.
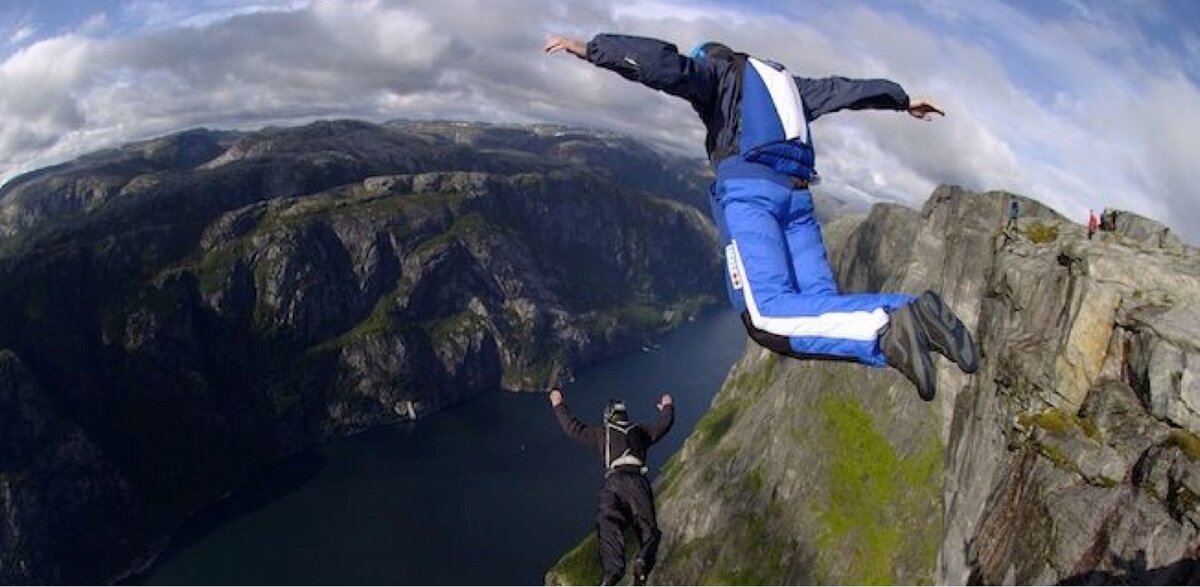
column 580, row 566
column 747, row 386
column 866, row 514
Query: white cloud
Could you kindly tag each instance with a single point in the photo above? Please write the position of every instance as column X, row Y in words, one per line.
column 1058, row 109
column 94, row 24
column 36, row 106
column 334, row 58
column 21, row 34
column 153, row 15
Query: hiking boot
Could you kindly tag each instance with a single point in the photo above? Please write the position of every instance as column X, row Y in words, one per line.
column 945, row 332
column 639, row 572
column 906, row 348
column 610, row 580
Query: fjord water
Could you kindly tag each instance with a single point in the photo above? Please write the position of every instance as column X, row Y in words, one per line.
column 488, row 492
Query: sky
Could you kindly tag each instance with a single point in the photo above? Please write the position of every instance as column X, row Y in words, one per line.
column 1082, row 104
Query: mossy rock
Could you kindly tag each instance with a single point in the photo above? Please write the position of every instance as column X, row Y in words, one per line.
column 581, row 566
column 867, row 514
column 1058, row 423
column 1041, row 234
column 716, row 423
column 1187, row 442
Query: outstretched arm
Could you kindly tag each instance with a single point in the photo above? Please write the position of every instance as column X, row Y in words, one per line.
column 666, row 418
column 822, row 96
column 651, row 62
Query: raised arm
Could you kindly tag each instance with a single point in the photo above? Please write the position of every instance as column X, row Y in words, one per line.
column 651, row 62
column 592, row 436
column 666, row 418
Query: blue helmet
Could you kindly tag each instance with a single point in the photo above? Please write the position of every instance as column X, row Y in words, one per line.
column 711, row 50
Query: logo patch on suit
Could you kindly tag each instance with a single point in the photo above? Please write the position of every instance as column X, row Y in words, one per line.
column 734, row 262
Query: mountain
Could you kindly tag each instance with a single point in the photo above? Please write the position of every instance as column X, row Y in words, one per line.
column 177, row 313
column 1072, row 456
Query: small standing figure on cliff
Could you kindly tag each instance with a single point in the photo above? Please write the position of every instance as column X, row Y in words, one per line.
column 626, row 496
column 1014, row 212
column 757, row 116
column 1109, row 221
column 1093, row 223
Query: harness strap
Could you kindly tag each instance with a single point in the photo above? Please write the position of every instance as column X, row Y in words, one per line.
column 626, row 459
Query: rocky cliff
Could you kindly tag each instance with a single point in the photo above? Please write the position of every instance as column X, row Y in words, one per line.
column 1071, row 456
column 176, row 313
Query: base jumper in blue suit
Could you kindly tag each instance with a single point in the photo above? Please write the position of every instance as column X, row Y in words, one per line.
column 757, row 116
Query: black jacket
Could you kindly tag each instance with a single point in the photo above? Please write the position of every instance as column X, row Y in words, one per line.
column 640, row 438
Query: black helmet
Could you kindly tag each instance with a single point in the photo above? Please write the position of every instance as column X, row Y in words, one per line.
column 614, row 411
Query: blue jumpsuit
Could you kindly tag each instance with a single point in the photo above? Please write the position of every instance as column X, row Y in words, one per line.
column 758, row 141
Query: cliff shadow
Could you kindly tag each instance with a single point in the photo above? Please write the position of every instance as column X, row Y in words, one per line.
column 263, row 488
column 1134, row 572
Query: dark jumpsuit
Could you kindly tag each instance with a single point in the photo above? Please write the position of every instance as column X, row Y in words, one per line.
column 625, row 495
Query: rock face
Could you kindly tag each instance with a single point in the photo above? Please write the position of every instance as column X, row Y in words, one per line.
column 59, row 494
column 1141, row 229
column 176, row 313
column 1071, row 456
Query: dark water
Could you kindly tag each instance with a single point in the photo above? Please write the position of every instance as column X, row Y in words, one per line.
column 490, row 492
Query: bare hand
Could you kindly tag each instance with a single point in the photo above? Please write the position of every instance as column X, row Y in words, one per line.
column 922, row 109
column 664, row 401
column 573, row 46
column 556, row 397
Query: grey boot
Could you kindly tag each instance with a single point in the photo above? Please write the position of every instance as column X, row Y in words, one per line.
column 906, row 348
column 945, row 332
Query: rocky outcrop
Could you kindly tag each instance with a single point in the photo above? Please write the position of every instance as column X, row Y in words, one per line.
column 58, row 493
column 1071, row 456
column 1140, row 229
column 190, row 308
column 1068, row 453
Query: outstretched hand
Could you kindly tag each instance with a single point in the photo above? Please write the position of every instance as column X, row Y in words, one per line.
column 573, row 46
column 922, row 109
column 556, row 397
column 664, row 401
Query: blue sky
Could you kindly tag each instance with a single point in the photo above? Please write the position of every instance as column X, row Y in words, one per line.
column 1079, row 103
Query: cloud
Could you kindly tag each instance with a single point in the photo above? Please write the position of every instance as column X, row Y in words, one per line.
column 333, row 58
column 154, row 15
column 1083, row 111
column 20, row 35
column 1051, row 104
column 1168, row 172
column 36, row 105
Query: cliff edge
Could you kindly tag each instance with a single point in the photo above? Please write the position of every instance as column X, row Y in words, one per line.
column 1071, row 456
